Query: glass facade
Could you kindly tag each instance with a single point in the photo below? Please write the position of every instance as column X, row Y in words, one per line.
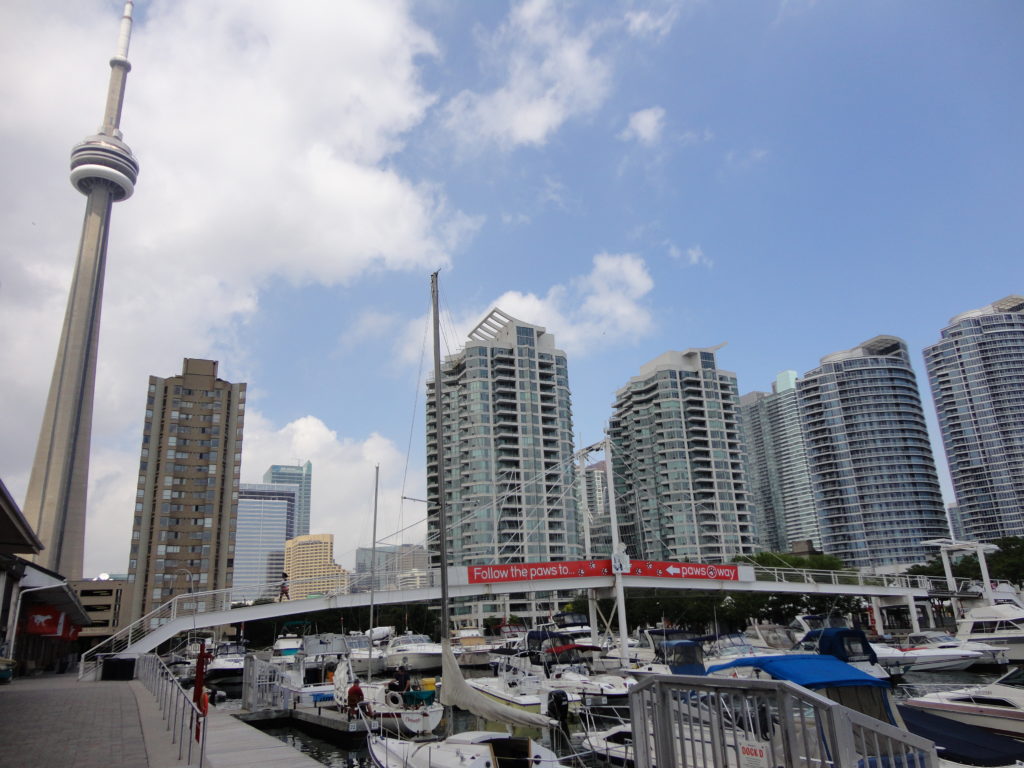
column 266, row 512
column 300, row 475
column 780, row 481
column 508, row 448
column 976, row 373
column 875, row 484
column 680, row 483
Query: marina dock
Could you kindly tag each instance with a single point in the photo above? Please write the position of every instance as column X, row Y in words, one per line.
column 56, row 720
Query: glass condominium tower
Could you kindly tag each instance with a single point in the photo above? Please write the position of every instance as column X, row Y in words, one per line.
column 976, row 373
column 875, row 484
column 780, row 482
column 508, row 448
column 300, row 475
column 680, row 484
column 266, row 516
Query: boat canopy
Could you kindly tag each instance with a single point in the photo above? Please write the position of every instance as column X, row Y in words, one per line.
column 683, row 657
column 810, row 670
column 844, row 644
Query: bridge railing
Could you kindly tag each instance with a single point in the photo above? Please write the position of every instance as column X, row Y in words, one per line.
column 210, row 601
column 843, row 578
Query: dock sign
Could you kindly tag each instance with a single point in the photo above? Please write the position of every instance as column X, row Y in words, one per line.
column 574, row 569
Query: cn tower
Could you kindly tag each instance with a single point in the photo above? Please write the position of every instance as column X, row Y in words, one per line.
column 104, row 170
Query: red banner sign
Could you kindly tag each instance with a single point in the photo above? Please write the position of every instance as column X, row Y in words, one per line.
column 708, row 571
column 570, row 569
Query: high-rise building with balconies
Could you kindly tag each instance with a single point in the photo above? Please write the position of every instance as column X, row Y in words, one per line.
column 875, row 484
column 680, row 484
column 976, row 373
column 508, row 449
column 780, row 482
column 593, row 494
column 183, row 534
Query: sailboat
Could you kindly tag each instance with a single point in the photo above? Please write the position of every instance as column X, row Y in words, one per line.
column 470, row 747
column 410, row 713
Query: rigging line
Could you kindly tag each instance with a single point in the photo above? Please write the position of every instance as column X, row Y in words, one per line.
column 420, row 379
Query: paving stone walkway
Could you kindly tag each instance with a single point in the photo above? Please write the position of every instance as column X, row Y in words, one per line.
column 55, row 721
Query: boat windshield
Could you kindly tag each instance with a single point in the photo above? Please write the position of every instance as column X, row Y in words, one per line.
column 358, row 641
column 411, row 640
column 1014, row 677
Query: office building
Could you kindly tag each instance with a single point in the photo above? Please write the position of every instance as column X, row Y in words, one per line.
column 300, row 475
column 680, row 486
column 104, row 170
column 385, row 568
column 183, row 534
column 875, row 484
column 309, row 563
column 266, row 513
column 976, row 372
column 107, row 601
column 508, row 450
column 777, row 472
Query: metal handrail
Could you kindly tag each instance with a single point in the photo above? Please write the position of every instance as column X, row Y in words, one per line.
column 691, row 720
column 176, row 706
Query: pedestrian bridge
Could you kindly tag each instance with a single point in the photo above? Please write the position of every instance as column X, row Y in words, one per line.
column 230, row 606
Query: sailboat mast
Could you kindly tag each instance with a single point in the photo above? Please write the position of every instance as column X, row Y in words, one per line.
column 442, row 523
column 373, row 570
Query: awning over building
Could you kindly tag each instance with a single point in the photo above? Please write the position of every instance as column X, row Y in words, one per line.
column 50, row 589
column 16, row 535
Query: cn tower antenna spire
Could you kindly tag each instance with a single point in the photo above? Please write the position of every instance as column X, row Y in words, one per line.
column 105, row 171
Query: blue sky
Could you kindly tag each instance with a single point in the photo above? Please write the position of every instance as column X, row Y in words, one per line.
column 791, row 178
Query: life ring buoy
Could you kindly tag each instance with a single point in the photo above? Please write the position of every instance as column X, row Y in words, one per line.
column 204, row 705
column 394, row 699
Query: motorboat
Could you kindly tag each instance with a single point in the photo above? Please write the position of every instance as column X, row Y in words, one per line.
column 470, row 748
column 958, row 744
column 225, row 669
column 518, row 688
column 927, row 658
column 472, row 648
column 991, row 655
column 417, row 653
column 1001, row 625
column 997, row 707
column 850, row 646
column 366, row 658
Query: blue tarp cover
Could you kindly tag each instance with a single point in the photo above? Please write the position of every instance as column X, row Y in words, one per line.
column 839, row 642
column 810, row 670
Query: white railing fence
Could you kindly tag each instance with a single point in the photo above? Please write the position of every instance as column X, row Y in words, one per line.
column 699, row 721
column 179, row 712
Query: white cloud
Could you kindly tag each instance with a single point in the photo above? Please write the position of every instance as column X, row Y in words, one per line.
column 265, row 138
column 694, row 255
column 343, row 471
column 603, row 307
column 551, row 74
column 741, row 160
column 651, row 24
column 645, row 126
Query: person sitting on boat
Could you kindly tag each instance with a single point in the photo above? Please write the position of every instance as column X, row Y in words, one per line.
column 355, row 697
column 401, row 681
